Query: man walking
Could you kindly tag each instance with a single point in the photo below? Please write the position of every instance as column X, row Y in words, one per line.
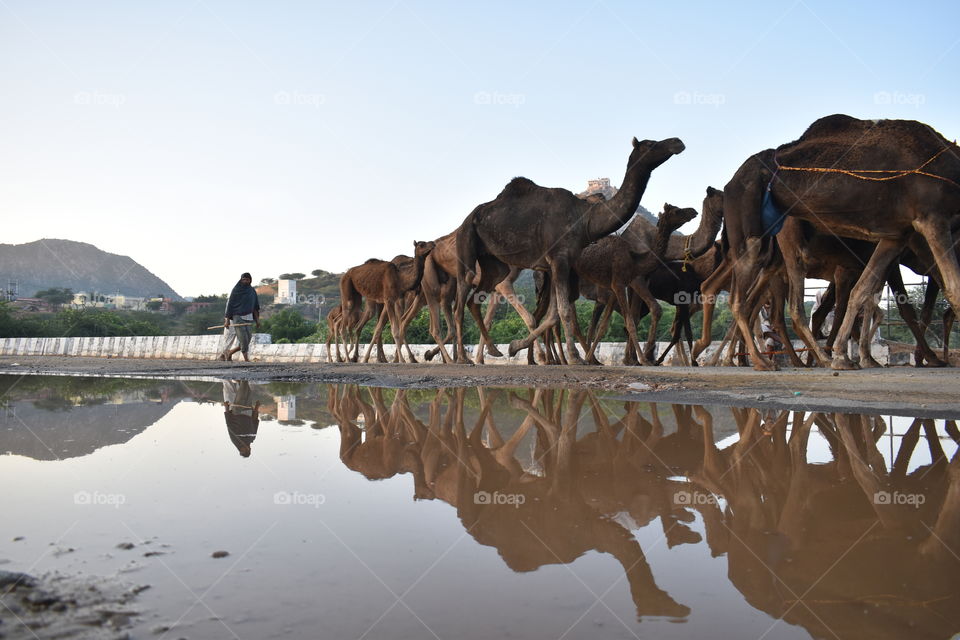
column 243, row 307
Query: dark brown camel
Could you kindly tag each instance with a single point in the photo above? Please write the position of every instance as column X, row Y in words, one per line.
column 641, row 233
column 530, row 226
column 610, row 265
column 850, row 204
column 385, row 283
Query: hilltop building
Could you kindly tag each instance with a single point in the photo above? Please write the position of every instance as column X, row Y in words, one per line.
column 286, row 292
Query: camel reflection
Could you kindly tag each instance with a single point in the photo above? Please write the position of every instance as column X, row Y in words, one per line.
column 545, row 476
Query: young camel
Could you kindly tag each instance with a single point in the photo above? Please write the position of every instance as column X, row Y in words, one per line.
column 386, row 283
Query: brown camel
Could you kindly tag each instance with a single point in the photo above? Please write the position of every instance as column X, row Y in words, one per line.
column 641, row 233
column 879, row 181
column 439, row 290
column 609, row 264
column 530, row 226
column 385, row 283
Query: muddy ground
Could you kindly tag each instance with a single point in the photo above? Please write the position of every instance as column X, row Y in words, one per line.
column 901, row 390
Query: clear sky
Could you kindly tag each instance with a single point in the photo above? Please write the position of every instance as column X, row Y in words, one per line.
column 206, row 138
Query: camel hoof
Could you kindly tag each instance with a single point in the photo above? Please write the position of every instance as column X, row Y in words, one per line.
column 492, row 350
column 843, row 363
column 869, row 362
column 428, row 356
column 515, row 346
column 762, row 364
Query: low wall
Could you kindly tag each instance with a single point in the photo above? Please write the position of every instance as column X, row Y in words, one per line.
column 261, row 349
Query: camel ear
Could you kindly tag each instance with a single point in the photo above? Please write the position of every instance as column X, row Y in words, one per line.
column 636, row 143
column 667, row 206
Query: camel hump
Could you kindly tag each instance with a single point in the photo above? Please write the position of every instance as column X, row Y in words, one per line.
column 519, row 185
column 373, row 260
column 831, row 125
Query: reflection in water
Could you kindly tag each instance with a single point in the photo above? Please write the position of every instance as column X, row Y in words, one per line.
column 241, row 413
column 845, row 525
column 850, row 547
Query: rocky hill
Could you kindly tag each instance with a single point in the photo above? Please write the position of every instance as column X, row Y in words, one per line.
column 77, row 265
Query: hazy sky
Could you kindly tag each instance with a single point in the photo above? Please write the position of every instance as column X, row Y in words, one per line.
column 206, row 138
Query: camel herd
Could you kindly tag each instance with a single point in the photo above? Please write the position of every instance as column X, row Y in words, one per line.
column 849, row 202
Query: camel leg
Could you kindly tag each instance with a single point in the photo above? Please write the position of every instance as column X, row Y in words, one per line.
column 863, row 295
column 549, row 320
column 709, row 289
column 798, row 316
column 485, row 339
column 639, row 287
column 870, row 328
column 599, row 331
column 621, row 295
column 917, row 327
column 505, row 289
column 936, row 231
column 744, row 274
column 561, row 275
column 376, row 334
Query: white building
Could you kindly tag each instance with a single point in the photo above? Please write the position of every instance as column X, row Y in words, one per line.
column 286, row 407
column 286, row 292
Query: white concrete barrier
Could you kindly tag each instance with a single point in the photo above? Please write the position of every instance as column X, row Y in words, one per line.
column 207, row 347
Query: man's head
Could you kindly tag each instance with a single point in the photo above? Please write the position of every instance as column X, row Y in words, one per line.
column 246, row 278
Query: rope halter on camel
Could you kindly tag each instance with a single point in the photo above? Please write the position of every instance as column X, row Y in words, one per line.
column 686, row 254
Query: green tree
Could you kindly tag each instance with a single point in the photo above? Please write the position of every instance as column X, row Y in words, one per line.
column 268, row 281
column 56, row 296
column 289, row 325
column 293, row 276
column 154, row 305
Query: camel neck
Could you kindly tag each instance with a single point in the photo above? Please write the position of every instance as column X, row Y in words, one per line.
column 607, row 217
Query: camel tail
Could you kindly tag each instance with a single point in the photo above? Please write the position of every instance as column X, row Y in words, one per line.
column 350, row 298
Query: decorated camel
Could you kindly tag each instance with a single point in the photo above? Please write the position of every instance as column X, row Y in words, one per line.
column 879, row 181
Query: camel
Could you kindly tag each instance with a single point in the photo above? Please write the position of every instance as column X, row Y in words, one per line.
column 609, row 264
column 534, row 227
column 641, row 234
column 439, row 291
column 385, row 283
column 878, row 181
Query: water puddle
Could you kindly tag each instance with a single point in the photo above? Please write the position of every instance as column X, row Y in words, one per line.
column 341, row 511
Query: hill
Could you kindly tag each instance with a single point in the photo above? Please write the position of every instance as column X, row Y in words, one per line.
column 80, row 266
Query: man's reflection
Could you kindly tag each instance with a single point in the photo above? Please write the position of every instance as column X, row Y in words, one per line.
column 241, row 416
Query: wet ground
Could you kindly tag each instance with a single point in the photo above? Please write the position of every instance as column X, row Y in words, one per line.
column 307, row 509
column 902, row 390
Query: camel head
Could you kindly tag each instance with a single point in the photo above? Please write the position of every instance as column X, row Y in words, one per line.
column 653, row 153
column 421, row 248
column 675, row 217
column 713, row 204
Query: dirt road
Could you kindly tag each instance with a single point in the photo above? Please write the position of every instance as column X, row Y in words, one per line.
column 901, row 390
